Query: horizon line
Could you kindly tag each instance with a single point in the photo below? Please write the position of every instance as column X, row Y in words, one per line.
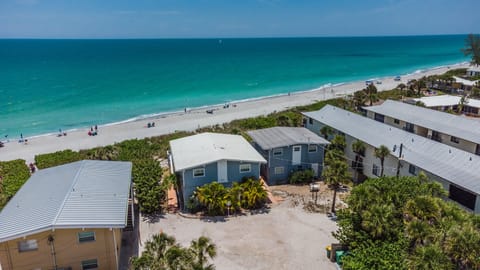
column 220, row 37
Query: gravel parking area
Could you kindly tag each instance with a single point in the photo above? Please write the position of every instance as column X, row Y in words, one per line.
column 283, row 237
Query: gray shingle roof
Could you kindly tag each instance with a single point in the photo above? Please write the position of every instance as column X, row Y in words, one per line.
column 82, row 194
column 274, row 137
column 452, row 164
column 453, row 125
column 200, row 149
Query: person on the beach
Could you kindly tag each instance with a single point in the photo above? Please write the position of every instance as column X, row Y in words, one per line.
column 96, row 128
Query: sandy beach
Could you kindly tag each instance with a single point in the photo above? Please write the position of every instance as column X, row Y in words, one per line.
column 191, row 120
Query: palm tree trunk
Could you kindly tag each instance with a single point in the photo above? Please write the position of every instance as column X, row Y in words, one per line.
column 381, row 172
column 334, row 199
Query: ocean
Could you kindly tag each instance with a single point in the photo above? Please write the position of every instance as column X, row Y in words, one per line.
column 47, row 85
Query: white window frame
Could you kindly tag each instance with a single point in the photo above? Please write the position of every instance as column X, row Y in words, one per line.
column 89, row 262
column 279, row 152
column 27, row 245
column 86, row 238
column 310, row 150
column 281, row 168
column 198, row 169
column 297, row 147
column 247, row 165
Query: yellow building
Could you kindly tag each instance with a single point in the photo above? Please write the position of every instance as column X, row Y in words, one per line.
column 68, row 217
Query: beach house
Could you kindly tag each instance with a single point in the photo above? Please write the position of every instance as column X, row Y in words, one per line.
column 473, row 71
column 68, row 217
column 204, row 158
column 288, row 149
column 444, row 103
column 453, row 130
column 456, row 170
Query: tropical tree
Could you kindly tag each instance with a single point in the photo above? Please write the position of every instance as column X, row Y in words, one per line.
column 463, row 101
column 463, row 246
column 429, row 257
column 326, row 131
column 377, row 221
column 336, row 174
column 381, row 153
column 254, row 194
column 214, row 197
column 358, row 147
column 401, row 86
column 472, row 47
column 202, row 249
column 371, row 93
column 154, row 255
column 338, row 143
column 162, row 252
column 359, row 98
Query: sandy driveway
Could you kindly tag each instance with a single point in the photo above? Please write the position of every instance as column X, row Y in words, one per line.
column 285, row 237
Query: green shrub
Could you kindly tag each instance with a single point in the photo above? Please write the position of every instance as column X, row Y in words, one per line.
column 58, row 158
column 301, row 177
column 146, row 176
column 13, row 174
column 213, row 197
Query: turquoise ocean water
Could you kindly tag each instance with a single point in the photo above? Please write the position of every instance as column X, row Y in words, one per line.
column 50, row 84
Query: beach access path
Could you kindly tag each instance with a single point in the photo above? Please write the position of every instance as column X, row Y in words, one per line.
column 191, row 120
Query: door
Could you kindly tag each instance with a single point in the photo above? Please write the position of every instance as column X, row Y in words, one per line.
column 315, row 169
column 222, row 171
column 296, row 154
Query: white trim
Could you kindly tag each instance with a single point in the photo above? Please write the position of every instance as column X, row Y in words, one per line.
column 86, row 241
column 314, row 145
column 275, row 170
column 246, row 171
column 96, row 260
column 279, row 149
column 198, row 176
column 28, row 242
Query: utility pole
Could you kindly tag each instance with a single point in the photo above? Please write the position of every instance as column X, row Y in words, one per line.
column 399, row 159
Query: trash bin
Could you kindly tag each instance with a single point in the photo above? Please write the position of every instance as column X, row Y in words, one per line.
column 329, row 250
column 338, row 256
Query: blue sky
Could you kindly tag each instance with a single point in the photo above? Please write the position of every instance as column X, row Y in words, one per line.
column 234, row 18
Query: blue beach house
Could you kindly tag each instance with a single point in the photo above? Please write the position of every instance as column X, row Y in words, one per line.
column 288, row 149
column 208, row 157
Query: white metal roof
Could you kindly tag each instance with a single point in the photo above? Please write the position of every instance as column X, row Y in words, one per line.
column 465, row 82
column 474, row 68
column 82, row 194
column 274, row 137
column 200, row 149
column 447, row 100
column 452, row 164
column 446, row 123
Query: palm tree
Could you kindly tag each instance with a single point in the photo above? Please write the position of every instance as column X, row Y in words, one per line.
column 472, row 47
column 326, row 131
column 462, row 103
column 202, row 249
column 401, row 86
column 153, row 257
column 338, row 142
column 254, row 194
column 371, row 93
column 358, row 147
column 462, row 245
column 376, row 220
column 335, row 174
column 359, row 98
column 381, row 153
column 214, row 197
column 429, row 257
